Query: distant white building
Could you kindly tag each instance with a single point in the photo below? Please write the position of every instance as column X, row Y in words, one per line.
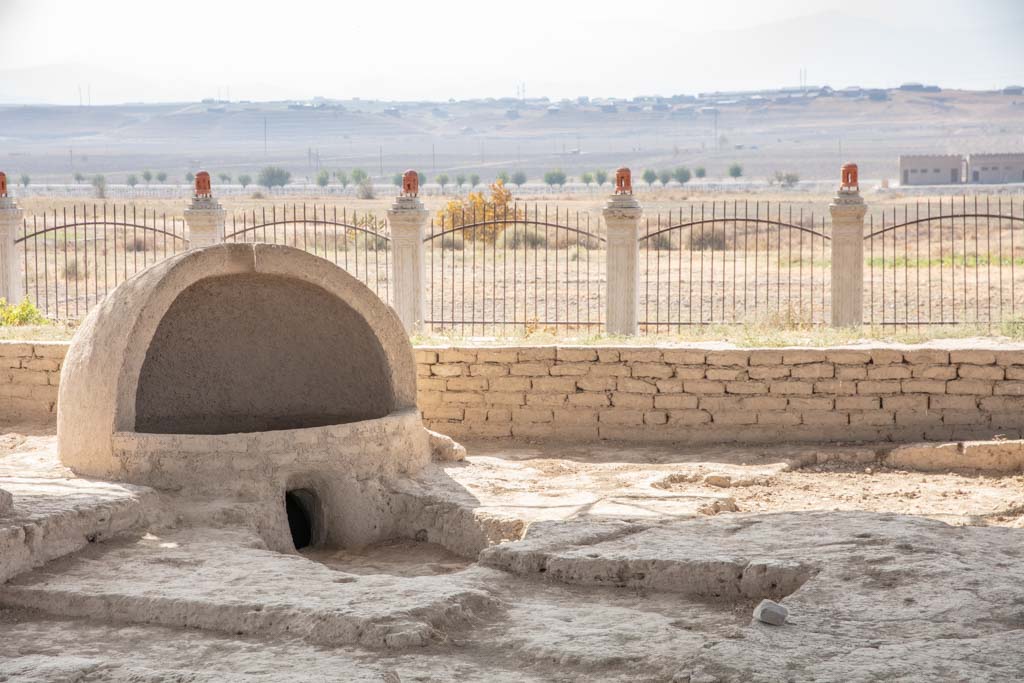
column 996, row 168
column 931, row 169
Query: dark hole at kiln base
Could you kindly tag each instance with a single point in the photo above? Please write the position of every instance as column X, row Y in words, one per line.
column 299, row 506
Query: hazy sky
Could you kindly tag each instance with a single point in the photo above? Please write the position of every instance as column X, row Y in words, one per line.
column 133, row 50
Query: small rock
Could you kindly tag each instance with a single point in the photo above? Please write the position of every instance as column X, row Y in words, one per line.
column 770, row 612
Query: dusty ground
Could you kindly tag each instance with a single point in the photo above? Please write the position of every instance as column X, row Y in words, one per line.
column 638, row 564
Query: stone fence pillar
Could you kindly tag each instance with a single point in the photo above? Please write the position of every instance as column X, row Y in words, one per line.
column 848, row 210
column 622, row 217
column 10, row 273
column 205, row 216
column 407, row 219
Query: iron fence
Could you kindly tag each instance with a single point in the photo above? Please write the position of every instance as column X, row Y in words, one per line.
column 734, row 262
column 514, row 268
column 357, row 241
column 945, row 262
column 71, row 258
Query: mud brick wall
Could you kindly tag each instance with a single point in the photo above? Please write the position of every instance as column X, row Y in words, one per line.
column 712, row 395
column 29, row 377
column 697, row 395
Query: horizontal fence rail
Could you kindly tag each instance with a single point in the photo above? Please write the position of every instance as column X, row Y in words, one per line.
column 945, row 262
column 357, row 241
column 71, row 258
column 514, row 268
column 733, row 262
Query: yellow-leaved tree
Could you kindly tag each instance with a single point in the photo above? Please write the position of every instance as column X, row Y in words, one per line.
column 487, row 217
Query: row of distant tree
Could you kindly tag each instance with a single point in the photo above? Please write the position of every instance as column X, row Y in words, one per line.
column 275, row 176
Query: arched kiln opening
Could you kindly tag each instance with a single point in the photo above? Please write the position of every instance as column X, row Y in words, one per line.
column 255, row 352
column 303, row 510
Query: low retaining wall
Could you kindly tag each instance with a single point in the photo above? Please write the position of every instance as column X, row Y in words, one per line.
column 29, row 376
column 721, row 395
column 585, row 393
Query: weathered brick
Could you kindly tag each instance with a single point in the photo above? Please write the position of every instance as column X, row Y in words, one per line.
column 1015, row 372
column 720, row 404
column 655, row 417
column 431, row 384
column 15, row 350
column 529, row 369
column 499, row 415
column 456, row 356
column 421, row 370
column 554, row 385
column 825, row 417
column 915, row 417
column 813, row 371
column 572, row 354
column 504, row 398
column 28, row 377
column 801, row 356
column 923, row 386
column 990, row 404
column 675, row 401
column 425, row 356
column 536, row 353
column 556, row 400
column 637, row 386
column 683, row 356
column 759, row 403
column 851, row 372
column 778, row 417
column 872, row 388
column 688, row 417
column 974, row 387
column 727, row 358
column 972, row 357
column 790, row 388
column 746, row 388
column 488, row 370
column 847, row 357
column 657, row 370
column 589, row 399
column 506, row 356
column 769, row 372
column 763, row 357
column 726, row 374
column 596, row 383
column 499, row 384
column 1010, row 357
column 873, row 417
column 531, row 415
column 989, row 372
column 703, row 386
column 835, row 387
column 1009, row 389
column 621, row 416
column 934, row 371
column 964, row 417
column 474, row 415
column 954, row 402
column 883, row 372
column 442, row 413
column 926, row 356
column 738, row 417
column 574, row 416
column 439, row 370
column 569, row 369
column 689, row 371
column 55, row 350
column 917, row 402
column 466, row 384
column 609, row 370
column 669, row 386
column 472, row 398
column 641, row 355
column 814, row 403
column 608, row 355
column 858, row 403
column 624, row 400
column 885, row 356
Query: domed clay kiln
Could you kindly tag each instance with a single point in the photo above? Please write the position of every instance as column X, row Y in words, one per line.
column 251, row 372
